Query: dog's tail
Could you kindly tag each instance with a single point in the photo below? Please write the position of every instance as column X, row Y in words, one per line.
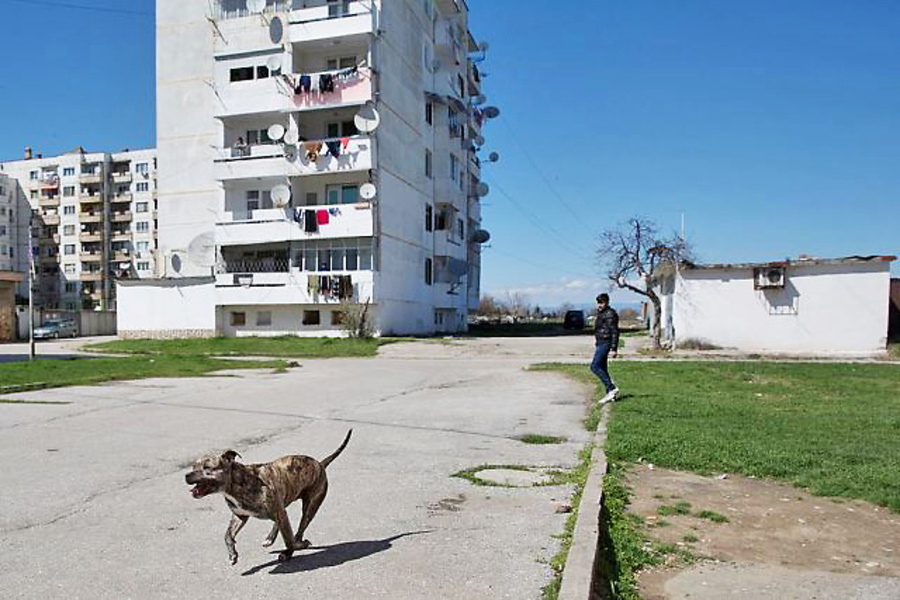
column 327, row 461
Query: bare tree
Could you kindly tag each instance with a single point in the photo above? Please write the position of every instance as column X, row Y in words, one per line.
column 518, row 304
column 564, row 308
column 488, row 306
column 632, row 252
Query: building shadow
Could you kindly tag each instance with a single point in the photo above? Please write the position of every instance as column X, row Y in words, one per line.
column 330, row 556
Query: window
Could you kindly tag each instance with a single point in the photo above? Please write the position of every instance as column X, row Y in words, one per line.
column 440, row 223
column 351, row 254
column 68, row 171
column 460, row 228
column 427, row 271
column 342, row 129
column 238, row 319
column 454, row 166
column 68, row 191
column 342, row 194
column 70, row 287
column 312, row 198
column 33, row 175
column 429, row 113
column 142, row 186
column 141, row 207
column 69, row 249
column 2, row 229
column 142, row 226
column 68, row 210
column 142, row 168
column 241, row 74
column 264, row 318
column 338, row 8
column 68, row 230
column 428, row 161
column 142, row 247
column 344, row 62
column 311, row 317
column 461, row 85
column 337, row 317
column 33, row 194
column 143, row 266
column 258, row 136
column 428, row 217
column 262, row 72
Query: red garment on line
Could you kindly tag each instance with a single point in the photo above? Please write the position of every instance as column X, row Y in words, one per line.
column 322, row 217
column 345, row 141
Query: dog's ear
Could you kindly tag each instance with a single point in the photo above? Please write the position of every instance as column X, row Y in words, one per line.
column 229, row 455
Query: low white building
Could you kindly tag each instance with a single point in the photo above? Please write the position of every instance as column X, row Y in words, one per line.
column 808, row 306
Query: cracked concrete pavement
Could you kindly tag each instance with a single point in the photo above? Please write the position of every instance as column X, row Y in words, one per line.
column 95, row 503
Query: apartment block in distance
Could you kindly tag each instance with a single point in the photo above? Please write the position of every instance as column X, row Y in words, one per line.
column 314, row 156
column 93, row 220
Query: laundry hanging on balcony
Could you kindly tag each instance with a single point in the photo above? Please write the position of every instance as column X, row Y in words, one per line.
column 310, row 224
column 312, row 150
column 334, row 148
column 330, row 286
column 324, row 82
column 322, row 216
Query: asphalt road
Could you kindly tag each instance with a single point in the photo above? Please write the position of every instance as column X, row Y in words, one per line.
column 95, row 504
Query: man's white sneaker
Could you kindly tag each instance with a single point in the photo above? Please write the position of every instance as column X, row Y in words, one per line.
column 610, row 396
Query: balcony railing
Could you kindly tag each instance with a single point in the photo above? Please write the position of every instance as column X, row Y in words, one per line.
column 91, row 217
column 121, row 177
column 91, row 275
column 91, row 257
column 265, row 265
column 90, row 198
column 91, row 237
column 284, row 224
column 312, row 157
column 235, row 9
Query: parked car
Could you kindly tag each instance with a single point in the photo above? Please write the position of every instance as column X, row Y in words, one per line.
column 56, row 328
column 574, row 319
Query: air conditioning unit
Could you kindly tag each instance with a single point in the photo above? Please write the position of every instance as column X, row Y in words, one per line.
column 768, row 278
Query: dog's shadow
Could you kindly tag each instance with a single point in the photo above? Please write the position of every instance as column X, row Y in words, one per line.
column 331, row 556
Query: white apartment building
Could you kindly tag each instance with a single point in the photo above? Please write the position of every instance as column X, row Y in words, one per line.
column 275, row 209
column 8, row 238
column 93, row 219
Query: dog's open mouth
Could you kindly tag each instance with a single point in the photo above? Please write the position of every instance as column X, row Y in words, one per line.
column 202, row 489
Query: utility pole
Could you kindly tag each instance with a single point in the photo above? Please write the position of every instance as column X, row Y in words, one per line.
column 31, row 349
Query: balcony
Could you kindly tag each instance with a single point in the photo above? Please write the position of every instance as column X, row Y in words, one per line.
column 287, row 287
column 91, row 257
column 86, row 178
column 51, row 219
column 91, row 198
column 51, row 202
column 269, row 160
column 325, row 22
column 276, row 94
column 121, row 236
column 123, row 197
column 91, row 275
column 278, row 225
column 121, row 217
column 122, row 256
column 90, row 217
column 121, row 177
column 88, row 237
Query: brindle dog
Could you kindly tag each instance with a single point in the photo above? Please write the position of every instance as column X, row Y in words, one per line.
column 265, row 491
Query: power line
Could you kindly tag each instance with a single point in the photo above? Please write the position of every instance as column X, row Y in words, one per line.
column 121, row 11
column 532, row 263
column 552, row 189
column 560, row 239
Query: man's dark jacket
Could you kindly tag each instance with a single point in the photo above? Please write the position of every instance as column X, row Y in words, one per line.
column 606, row 328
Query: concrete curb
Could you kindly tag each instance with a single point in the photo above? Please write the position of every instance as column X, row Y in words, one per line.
column 578, row 574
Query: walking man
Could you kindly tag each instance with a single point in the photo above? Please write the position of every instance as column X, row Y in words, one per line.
column 606, row 340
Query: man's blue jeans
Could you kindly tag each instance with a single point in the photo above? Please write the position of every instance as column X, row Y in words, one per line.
column 599, row 365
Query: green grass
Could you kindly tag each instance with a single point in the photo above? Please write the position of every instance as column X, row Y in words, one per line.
column 285, row 347
column 86, row 371
column 15, row 401
column 538, row 438
column 471, row 475
column 712, row 516
column 679, row 508
column 894, row 350
column 829, row 428
column 690, row 538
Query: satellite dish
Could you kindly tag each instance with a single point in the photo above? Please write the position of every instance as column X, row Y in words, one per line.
column 367, row 191
column 276, row 132
column 175, row 259
column 276, row 28
column 274, row 62
column 281, row 195
column 481, row 236
column 367, row 119
column 492, row 112
column 480, row 99
column 202, row 250
column 292, row 137
column 479, row 140
column 493, row 157
column 256, row 6
column 482, row 189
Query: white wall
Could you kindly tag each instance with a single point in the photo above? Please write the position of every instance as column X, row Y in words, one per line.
column 823, row 309
column 285, row 320
column 167, row 308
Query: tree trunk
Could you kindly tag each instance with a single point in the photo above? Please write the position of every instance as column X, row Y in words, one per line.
column 656, row 332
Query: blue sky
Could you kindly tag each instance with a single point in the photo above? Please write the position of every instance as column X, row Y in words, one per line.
column 773, row 126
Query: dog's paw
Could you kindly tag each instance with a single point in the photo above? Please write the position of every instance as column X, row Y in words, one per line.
column 268, row 542
column 285, row 555
column 302, row 544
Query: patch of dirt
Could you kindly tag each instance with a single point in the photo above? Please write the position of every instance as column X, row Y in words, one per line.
column 768, row 523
